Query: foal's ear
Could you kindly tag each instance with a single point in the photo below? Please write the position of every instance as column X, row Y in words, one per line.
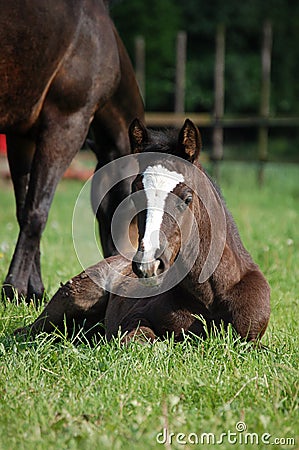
column 138, row 136
column 189, row 141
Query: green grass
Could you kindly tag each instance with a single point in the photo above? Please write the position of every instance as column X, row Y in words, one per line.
column 60, row 396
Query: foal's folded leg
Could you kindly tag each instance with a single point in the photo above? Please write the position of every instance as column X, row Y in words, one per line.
column 80, row 303
column 249, row 305
column 142, row 334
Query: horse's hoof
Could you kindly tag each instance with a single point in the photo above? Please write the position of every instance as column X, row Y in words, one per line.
column 21, row 332
column 35, row 298
column 9, row 292
column 12, row 294
column 35, row 292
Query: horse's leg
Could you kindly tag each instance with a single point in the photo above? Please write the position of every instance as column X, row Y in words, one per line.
column 128, row 317
column 108, row 149
column 60, row 137
column 35, row 288
column 20, row 152
column 112, row 142
column 249, row 305
column 110, row 126
column 131, row 328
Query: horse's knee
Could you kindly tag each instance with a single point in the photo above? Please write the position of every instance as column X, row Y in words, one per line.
column 35, row 222
column 251, row 323
column 249, row 306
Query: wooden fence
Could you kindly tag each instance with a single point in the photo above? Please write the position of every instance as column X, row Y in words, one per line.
column 218, row 120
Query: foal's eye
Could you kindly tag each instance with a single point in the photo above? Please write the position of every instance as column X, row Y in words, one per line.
column 183, row 203
column 188, row 199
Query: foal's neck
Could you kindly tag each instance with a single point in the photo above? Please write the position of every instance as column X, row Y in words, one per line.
column 210, row 217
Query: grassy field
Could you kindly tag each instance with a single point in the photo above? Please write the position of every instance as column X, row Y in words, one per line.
column 217, row 393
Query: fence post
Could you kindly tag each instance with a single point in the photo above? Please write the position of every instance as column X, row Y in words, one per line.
column 217, row 152
column 140, row 64
column 180, row 79
column 265, row 99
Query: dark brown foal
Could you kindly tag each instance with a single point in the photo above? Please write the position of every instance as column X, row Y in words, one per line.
column 190, row 260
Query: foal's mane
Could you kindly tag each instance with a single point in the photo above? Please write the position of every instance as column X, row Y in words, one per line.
column 163, row 141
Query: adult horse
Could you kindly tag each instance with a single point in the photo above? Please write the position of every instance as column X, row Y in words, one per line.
column 182, row 212
column 62, row 66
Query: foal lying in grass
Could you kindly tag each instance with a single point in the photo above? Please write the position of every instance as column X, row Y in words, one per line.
column 190, row 259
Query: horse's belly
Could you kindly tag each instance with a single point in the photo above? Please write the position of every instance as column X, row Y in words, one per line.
column 34, row 39
column 20, row 105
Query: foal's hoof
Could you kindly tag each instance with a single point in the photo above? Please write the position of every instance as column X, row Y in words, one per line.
column 142, row 335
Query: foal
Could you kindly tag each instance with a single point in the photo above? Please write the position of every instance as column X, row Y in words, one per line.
column 190, row 259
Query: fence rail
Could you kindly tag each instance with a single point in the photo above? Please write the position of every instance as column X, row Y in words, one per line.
column 206, row 120
column 219, row 120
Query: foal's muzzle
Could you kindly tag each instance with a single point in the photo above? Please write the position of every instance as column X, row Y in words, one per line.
column 149, row 267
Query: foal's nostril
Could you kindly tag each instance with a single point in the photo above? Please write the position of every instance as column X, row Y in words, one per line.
column 160, row 266
column 137, row 269
column 148, row 270
column 145, row 266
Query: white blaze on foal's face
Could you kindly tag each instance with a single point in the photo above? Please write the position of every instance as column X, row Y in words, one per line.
column 158, row 182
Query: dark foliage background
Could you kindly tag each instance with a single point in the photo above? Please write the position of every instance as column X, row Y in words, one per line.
column 159, row 21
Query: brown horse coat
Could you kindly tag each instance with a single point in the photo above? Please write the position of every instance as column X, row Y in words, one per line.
column 62, row 67
column 236, row 291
